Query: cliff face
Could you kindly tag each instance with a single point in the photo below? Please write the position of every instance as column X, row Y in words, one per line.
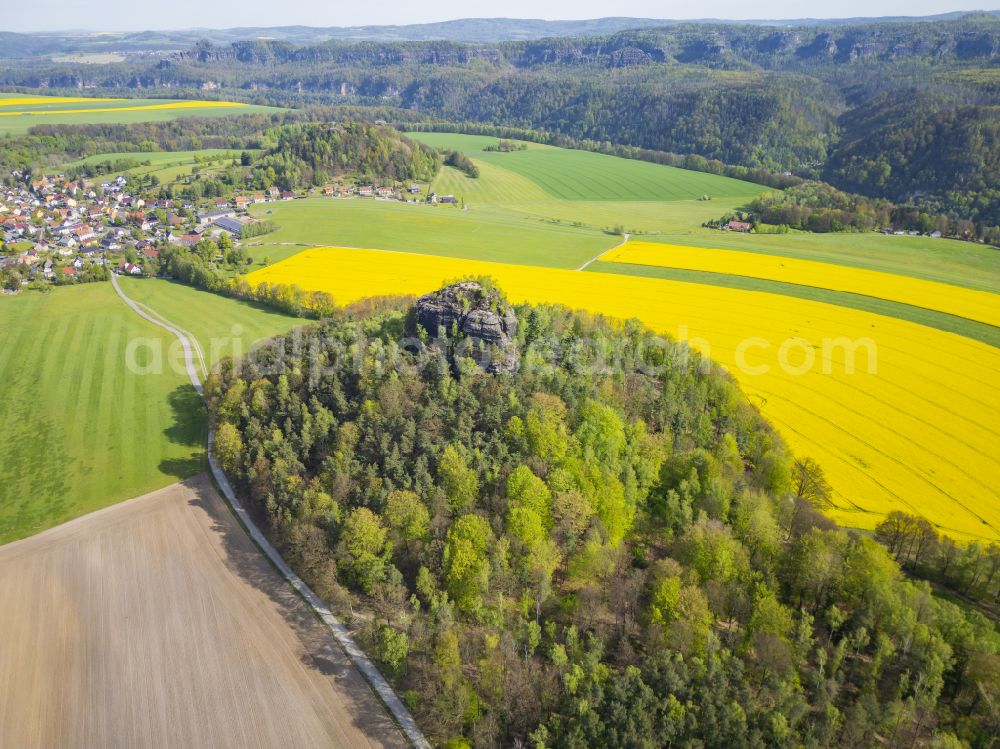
column 471, row 321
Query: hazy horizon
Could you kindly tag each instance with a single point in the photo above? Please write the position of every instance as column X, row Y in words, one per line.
column 78, row 16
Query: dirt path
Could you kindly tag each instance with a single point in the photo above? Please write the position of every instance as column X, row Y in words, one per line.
column 158, row 623
column 605, row 252
column 361, row 661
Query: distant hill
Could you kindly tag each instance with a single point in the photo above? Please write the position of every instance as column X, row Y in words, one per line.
column 13, row 45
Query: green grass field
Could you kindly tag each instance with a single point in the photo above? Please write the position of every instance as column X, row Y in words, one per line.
column 567, row 174
column 17, row 116
column 223, row 327
column 488, row 233
column 78, row 429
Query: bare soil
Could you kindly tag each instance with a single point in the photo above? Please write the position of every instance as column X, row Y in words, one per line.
column 157, row 623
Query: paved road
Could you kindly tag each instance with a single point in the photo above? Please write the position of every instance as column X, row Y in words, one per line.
column 343, row 637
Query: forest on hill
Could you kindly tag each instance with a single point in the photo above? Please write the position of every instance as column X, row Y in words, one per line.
column 311, row 154
column 900, row 110
column 541, row 548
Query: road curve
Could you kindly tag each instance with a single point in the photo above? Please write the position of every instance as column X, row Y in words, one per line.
column 361, row 661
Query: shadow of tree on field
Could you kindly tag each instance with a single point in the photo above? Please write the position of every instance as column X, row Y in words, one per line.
column 188, row 427
column 184, row 468
column 319, row 650
column 190, row 421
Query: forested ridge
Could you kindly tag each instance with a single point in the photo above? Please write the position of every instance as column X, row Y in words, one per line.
column 603, row 546
column 310, row 154
column 902, row 110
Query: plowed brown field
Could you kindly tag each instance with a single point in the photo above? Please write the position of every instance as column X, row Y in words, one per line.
column 157, row 623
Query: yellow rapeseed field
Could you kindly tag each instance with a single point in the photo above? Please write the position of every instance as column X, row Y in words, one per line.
column 144, row 107
column 30, row 100
column 981, row 306
column 917, row 433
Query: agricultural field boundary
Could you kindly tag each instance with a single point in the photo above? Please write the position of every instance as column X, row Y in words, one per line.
column 943, row 321
column 969, row 304
column 596, row 258
column 373, row 676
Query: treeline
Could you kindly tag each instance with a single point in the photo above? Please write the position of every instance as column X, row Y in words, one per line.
column 578, row 555
column 13, row 277
column 211, row 266
column 819, row 207
column 308, row 155
column 970, row 569
column 463, row 163
column 506, row 146
column 48, row 145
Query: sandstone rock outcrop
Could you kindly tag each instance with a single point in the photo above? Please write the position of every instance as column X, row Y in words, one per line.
column 473, row 322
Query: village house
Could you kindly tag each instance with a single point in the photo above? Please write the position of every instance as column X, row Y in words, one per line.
column 365, row 191
column 84, row 233
column 743, row 226
column 241, row 201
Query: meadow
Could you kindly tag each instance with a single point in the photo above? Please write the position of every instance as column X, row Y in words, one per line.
column 911, row 428
column 78, row 429
column 568, row 174
column 221, row 326
column 489, row 233
column 19, row 112
column 531, row 183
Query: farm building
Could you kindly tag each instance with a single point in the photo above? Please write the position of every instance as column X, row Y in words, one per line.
column 230, row 225
column 210, row 218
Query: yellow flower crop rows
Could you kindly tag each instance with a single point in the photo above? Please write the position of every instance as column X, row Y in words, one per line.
column 955, row 300
column 918, row 434
column 35, row 100
column 142, row 108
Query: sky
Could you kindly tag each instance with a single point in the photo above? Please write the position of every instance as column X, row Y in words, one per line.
column 129, row 15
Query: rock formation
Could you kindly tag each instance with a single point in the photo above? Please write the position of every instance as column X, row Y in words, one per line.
column 473, row 322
